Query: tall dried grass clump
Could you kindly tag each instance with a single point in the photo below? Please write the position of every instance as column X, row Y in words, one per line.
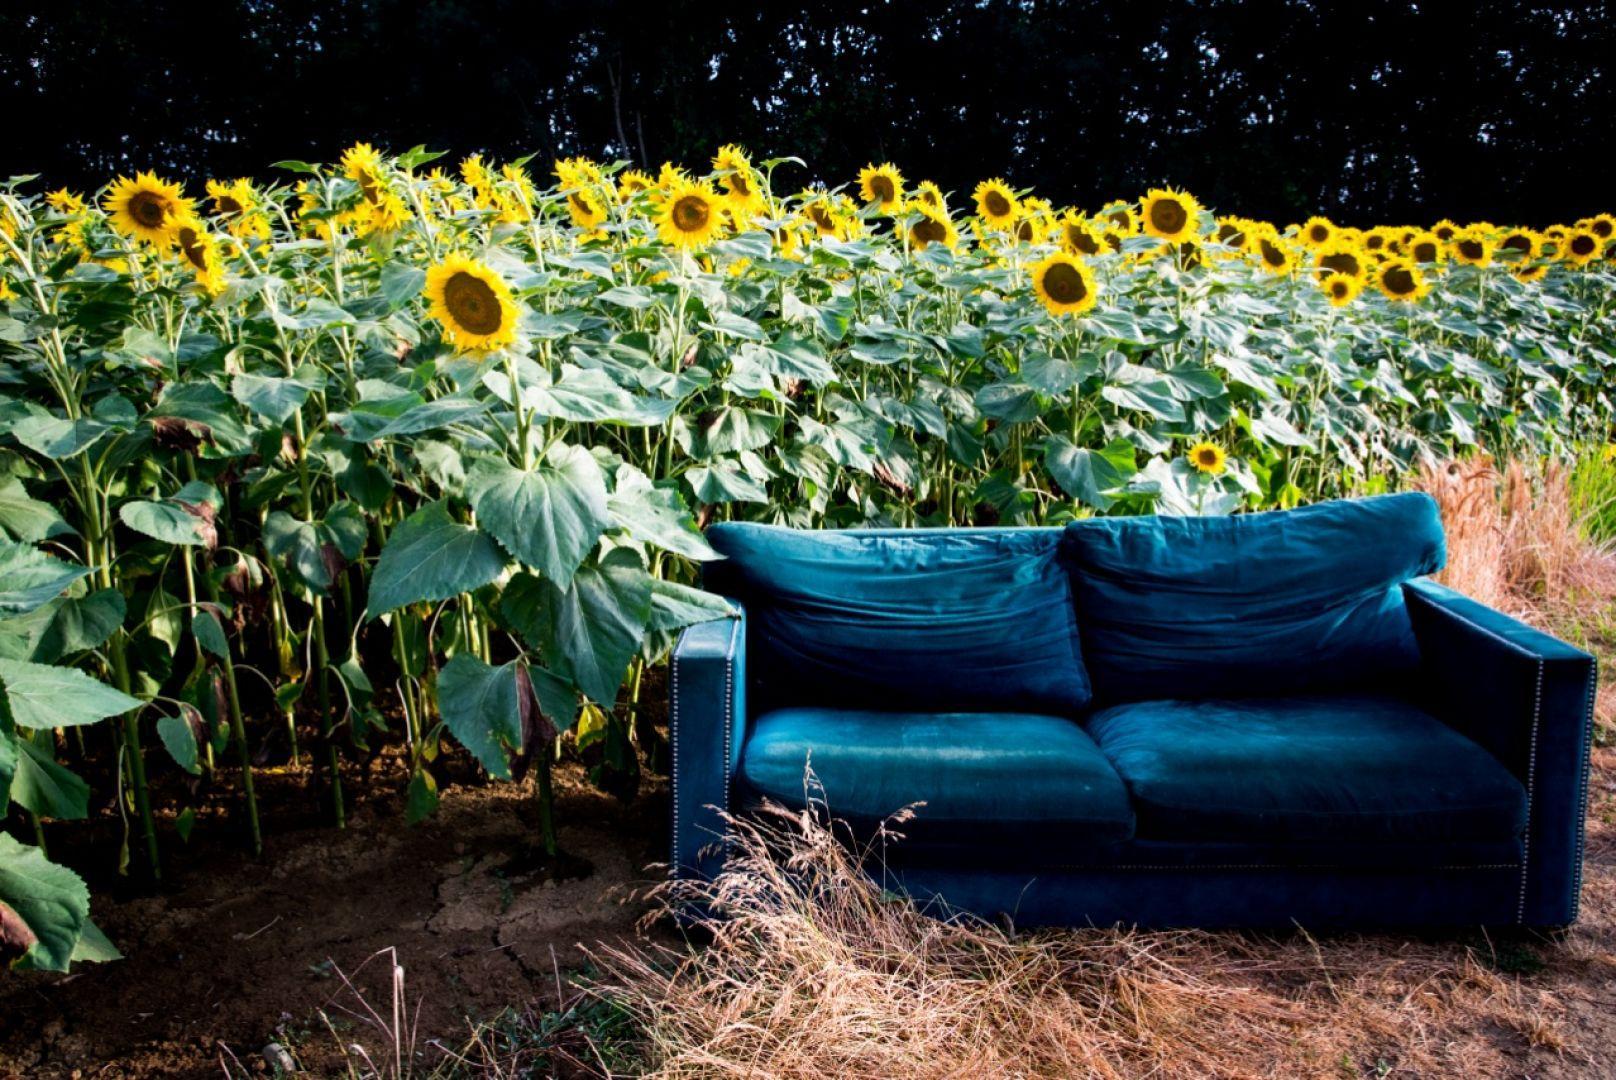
column 813, row 971
column 1515, row 540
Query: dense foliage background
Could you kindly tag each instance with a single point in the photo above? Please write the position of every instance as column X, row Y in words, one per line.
column 1276, row 109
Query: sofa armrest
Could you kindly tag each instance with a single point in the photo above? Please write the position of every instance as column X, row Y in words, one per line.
column 1529, row 699
column 706, row 727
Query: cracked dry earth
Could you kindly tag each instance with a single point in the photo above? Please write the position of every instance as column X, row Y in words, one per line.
column 240, row 952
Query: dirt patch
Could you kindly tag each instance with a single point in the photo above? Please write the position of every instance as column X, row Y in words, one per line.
column 241, row 951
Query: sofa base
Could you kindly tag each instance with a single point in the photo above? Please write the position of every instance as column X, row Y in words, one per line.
column 1214, row 898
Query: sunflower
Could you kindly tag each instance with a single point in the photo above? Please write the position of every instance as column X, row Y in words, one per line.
column 1120, row 216
column 1400, row 279
column 632, row 182
column 996, row 204
column 1208, row 458
column 1233, row 233
column 739, row 181
column 585, row 207
column 1377, row 239
column 200, row 251
column 362, row 163
column 1077, row 236
column 819, row 210
column 691, row 216
column 1169, row 215
column 473, row 304
column 1340, row 257
column 1602, row 226
column 1472, row 246
column 1342, row 289
column 1445, row 230
column 1580, row 247
column 1064, row 284
column 145, row 208
column 1316, row 231
column 1036, row 221
column 1275, row 253
column 1426, row 247
column 1519, row 245
column 882, row 185
column 930, row 194
column 932, row 227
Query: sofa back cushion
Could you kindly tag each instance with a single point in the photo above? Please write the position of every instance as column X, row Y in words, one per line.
column 967, row 620
column 1286, row 601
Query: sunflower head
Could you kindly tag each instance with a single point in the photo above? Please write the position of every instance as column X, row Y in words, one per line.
column 1602, row 226
column 882, row 186
column 145, row 208
column 632, row 182
column 362, row 163
column 1233, row 233
column 1274, row 252
column 1425, row 248
column 1376, row 239
column 1445, row 230
column 1472, row 246
column 1064, row 284
column 1519, row 245
column 1035, row 223
column 585, row 207
column 1401, row 280
column 1208, row 458
column 1580, row 247
column 931, row 227
column 740, row 182
column 692, row 215
column 930, row 194
column 1316, row 231
column 996, row 204
column 1170, row 215
column 1341, row 289
column 472, row 304
column 1078, row 236
column 1341, row 256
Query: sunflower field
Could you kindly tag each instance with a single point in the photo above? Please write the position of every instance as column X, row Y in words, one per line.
column 386, row 455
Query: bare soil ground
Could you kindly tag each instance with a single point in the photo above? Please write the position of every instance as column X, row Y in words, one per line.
column 237, row 952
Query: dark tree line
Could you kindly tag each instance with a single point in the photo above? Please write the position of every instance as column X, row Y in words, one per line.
column 1369, row 111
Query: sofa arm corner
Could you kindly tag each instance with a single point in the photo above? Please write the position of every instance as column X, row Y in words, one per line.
column 1528, row 697
column 706, row 727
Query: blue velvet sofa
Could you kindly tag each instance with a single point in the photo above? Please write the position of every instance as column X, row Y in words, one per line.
column 1255, row 720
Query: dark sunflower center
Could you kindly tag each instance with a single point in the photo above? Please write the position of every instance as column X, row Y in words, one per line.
column 1602, row 228
column 1231, row 235
column 472, row 303
column 1517, row 242
column 227, row 204
column 1064, row 284
column 1471, row 249
column 738, row 184
column 1374, row 243
column 1582, row 245
column 1319, row 233
column 929, row 197
column 1119, row 218
column 1425, row 251
column 927, row 231
column 821, row 218
column 1338, row 289
column 191, row 245
column 1399, row 282
column 1168, row 215
column 148, row 208
column 690, row 213
column 369, row 188
column 1207, row 456
column 1342, row 262
column 997, row 204
column 1025, row 231
column 1271, row 254
column 881, row 187
column 1080, row 240
column 1444, row 233
column 580, row 204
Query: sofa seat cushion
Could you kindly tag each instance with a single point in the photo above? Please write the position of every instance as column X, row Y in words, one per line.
column 1022, row 777
column 1280, row 602
column 926, row 619
column 1334, row 769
